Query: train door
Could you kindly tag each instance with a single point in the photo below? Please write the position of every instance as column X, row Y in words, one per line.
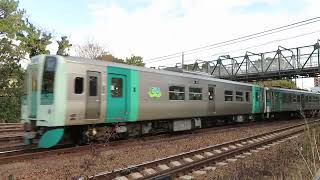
column 256, row 99
column 93, row 95
column 211, row 99
column 117, row 98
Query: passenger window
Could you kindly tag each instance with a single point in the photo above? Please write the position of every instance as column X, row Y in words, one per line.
column 195, row 93
column 93, row 85
column 211, row 93
column 176, row 93
column 228, row 96
column 239, row 96
column 247, row 96
column 116, row 87
column 294, row 98
column 78, row 85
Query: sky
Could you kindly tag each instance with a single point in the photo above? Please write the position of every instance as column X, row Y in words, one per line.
column 153, row 28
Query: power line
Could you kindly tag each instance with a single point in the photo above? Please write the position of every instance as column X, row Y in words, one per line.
column 259, row 45
column 247, row 37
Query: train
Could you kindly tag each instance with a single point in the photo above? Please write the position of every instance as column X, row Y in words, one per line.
column 73, row 99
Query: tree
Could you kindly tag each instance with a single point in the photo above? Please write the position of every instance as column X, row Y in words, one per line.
column 90, row 49
column 135, row 60
column 11, row 78
column 63, row 46
column 110, row 57
column 278, row 83
column 34, row 41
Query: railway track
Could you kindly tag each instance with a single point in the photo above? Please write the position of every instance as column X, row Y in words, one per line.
column 179, row 166
column 10, row 128
column 22, row 152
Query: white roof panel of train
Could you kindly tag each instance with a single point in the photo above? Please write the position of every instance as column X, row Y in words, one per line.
column 293, row 90
column 189, row 75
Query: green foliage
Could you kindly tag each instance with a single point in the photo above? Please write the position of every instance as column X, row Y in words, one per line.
column 10, row 18
column 11, row 79
column 135, row 60
column 278, row 83
column 63, row 46
column 34, row 41
column 110, row 58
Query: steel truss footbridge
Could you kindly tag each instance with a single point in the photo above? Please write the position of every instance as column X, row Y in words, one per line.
column 283, row 63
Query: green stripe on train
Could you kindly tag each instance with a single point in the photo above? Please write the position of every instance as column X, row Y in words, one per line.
column 123, row 107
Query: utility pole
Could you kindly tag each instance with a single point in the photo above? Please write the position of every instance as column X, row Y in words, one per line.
column 182, row 60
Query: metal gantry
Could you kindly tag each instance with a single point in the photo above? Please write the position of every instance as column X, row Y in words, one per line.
column 284, row 63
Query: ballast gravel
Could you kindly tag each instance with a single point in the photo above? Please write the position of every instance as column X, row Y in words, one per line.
column 88, row 163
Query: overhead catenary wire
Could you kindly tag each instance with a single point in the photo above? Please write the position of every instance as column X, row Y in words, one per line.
column 259, row 45
column 237, row 40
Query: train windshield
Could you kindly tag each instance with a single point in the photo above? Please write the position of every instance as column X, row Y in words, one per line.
column 48, row 77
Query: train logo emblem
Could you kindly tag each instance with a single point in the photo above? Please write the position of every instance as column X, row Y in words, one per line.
column 154, row 92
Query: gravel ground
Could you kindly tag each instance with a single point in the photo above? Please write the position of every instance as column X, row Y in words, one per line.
column 66, row 166
column 282, row 161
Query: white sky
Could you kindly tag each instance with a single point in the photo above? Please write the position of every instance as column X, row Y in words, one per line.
column 162, row 27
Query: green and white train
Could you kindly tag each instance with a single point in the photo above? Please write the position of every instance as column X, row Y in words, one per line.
column 76, row 99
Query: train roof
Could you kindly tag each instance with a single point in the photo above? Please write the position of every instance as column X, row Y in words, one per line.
column 182, row 74
column 293, row 90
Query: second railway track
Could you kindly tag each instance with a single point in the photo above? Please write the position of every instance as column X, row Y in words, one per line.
column 23, row 152
column 182, row 164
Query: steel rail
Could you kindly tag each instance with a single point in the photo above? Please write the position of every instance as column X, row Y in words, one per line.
column 174, row 170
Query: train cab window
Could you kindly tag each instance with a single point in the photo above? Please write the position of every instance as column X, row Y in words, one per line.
column 247, row 96
column 48, row 78
column 116, row 87
column 239, row 96
column 93, row 80
column 48, row 75
column 176, row 93
column 195, row 93
column 228, row 96
column 298, row 98
column 78, row 85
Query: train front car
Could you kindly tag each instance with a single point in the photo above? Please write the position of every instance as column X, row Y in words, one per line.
column 43, row 105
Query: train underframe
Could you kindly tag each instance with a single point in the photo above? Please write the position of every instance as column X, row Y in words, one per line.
column 84, row 134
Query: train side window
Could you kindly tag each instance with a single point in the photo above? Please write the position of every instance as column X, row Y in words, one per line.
column 294, row 98
column 93, row 86
column 116, row 87
column 176, row 93
column 247, row 96
column 228, row 96
column 195, row 93
column 239, row 96
column 78, row 85
column 211, row 93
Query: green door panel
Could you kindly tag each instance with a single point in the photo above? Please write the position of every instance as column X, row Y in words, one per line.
column 122, row 106
column 117, row 98
column 34, row 106
column 278, row 96
column 256, row 99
